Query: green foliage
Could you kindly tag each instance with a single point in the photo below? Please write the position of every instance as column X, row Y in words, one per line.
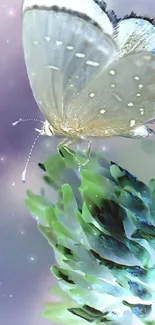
column 102, row 230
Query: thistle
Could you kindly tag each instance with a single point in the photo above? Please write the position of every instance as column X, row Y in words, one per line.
column 102, row 231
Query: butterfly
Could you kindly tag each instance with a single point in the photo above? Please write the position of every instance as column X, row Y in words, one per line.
column 89, row 76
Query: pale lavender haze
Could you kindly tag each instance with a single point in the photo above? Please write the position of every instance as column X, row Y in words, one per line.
column 25, row 256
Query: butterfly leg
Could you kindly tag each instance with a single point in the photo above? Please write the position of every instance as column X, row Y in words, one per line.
column 89, row 149
column 88, row 152
column 63, row 143
column 66, row 143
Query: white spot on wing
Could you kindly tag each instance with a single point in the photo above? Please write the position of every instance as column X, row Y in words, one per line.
column 137, row 78
column 132, row 123
column 102, row 111
column 53, row 67
column 112, row 72
column 142, row 111
column 80, row 55
column 69, row 48
column 47, row 38
column 59, row 43
column 92, row 63
column 130, row 104
column 92, row 95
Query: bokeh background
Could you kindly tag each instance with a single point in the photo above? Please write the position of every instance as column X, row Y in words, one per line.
column 25, row 257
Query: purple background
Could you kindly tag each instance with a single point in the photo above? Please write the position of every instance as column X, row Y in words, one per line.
column 25, row 256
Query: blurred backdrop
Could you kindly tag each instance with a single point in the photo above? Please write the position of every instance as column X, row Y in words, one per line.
column 25, row 256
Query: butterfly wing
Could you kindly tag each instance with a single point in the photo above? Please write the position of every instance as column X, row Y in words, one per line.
column 64, row 47
column 124, row 94
column 133, row 35
column 124, row 97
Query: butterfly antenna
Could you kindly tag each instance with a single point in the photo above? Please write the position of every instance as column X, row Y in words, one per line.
column 28, row 159
column 26, row 120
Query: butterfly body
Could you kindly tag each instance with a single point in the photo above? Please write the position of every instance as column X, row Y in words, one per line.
column 66, row 130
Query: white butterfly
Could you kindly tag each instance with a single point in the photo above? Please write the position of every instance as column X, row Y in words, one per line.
column 89, row 77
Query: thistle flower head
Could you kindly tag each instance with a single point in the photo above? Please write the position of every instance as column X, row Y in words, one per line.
column 102, row 230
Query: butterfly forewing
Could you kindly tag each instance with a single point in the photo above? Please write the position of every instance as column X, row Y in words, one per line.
column 62, row 53
column 93, row 50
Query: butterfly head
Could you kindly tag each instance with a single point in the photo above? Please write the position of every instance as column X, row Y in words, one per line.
column 46, row 130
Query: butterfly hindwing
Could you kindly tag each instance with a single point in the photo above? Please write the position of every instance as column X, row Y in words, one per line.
column 124, row 96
